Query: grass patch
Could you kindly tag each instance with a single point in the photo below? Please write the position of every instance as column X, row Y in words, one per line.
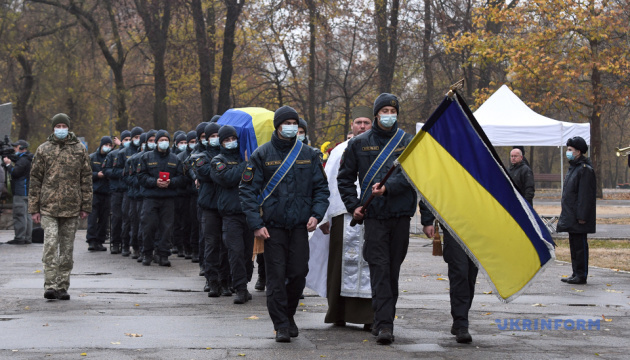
column 613, row 254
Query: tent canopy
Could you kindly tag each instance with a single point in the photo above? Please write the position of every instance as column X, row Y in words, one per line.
column 508, row 121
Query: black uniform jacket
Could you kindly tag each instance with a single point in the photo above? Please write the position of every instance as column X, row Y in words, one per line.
column 99, row 185
column 578, row 198
column 226, row 170
column 399, row 198
column 189, row 188
column 151, row 164
column 208, row 195
column 523, row 177
column 113, row 172
column 302, row 194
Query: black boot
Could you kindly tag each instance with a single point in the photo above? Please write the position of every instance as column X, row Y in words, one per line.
column 242, row 296
column 99, row 247
column 50, row 294
column 385, row 336
column 293, row 329
column 225, row 289
column 164, row 261
column 462, row 336
column 115, row 249
column 91, row 245
column 63, row 295
column 206, row 288
column 282, row 335
column 195, row 257
column 125, row 252
column 148, row 259
column 180, row 251
column 260, row 283
column 214, row 290
column 136, row 254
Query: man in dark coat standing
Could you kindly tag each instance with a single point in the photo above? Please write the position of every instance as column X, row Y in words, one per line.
column 578, row 207
column 522, row 175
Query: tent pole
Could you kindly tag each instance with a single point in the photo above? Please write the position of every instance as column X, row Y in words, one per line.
column 561, row 170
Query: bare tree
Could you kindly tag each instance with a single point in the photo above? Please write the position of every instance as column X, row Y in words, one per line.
column 234, row 9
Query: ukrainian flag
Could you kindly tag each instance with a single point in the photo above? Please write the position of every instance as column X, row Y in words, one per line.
column 458, row 174
column 253, row 125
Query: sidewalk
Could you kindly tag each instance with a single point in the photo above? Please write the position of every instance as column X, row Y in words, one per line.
column 113, row 296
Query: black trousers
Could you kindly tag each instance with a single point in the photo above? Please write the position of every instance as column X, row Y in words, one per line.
column 286, row 265
column 260, row 262
column 140, row 244
column 239, row 241
column 116, row 201
column 158, row 213
column 212, row 221
column 125, row 232
column 385, row 248
column 134, row 220
column 98, row 220
column 195, row 235
column 181, row 232
column 462, row 275
column 579, row 254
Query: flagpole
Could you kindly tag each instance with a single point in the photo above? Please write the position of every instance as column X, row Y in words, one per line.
column 369, row 200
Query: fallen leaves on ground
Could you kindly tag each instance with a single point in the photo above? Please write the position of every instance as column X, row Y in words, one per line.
column 253, row 317
column 576, row 290
column 37, row 271
column 133, row 335
column 539, row 305
column 614, row 291
column 115, row 342
column 488, row 292
column 606, row 319
column 441, row 279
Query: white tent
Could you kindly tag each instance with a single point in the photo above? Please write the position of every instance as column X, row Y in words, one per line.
column 508, row 121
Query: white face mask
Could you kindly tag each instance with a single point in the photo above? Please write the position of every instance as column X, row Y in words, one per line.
column 164, row 145
column 214, row 141
column 204, row 142
column 289, row 131
column 106, row 149
column 231, row 145
column 151, row 145
column 192, row 146
column 182, row 147
column 61, row 133
column 301, row 137
column 387, row 120
column 136, row 142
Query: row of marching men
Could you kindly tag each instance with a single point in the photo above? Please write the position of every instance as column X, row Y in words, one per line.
column 177, row 195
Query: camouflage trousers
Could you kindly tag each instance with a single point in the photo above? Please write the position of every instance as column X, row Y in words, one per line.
column 59, row 235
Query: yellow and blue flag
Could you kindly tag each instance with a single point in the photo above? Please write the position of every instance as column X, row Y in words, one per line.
column 458, row 174
column 253, row 125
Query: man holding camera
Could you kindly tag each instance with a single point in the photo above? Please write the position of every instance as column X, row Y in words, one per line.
column 19, row 168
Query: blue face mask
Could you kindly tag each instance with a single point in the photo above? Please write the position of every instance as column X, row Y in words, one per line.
column 126, row 144
column 231, row 145
column 136, row 142
column 182, row 147
column 192, row 146
column 164, row 145
column 204, row 142
column 570, row 155
column 301, row 137
column 61, row 133
column 289, row 131
column 387, row 120
column 214, row 142
column 151, row 145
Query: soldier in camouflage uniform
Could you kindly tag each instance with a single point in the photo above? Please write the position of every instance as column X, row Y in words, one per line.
column 60, row 191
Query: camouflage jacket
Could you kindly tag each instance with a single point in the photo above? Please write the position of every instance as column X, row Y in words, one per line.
column 61, row 178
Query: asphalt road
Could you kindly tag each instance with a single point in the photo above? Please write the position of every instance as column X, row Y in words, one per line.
column 115, row 297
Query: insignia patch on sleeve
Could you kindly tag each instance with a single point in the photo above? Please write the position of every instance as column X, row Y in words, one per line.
column 199, row 162
column 139, row 167
column 248, row 174
column 220, row 166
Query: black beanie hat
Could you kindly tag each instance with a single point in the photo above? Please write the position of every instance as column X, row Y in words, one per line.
column 200, row 129
column 579, row 143
column 61, row 118
column 302, row 124
column 124, row 134
column 210, row 129
column 283, row 114
column 136, row 131
column 191, row 135
column 225, row 132
column 215, row 118
column 105, row 140
column 162, row 133
column 143, row 138
column 386, row 99
column 150, row 134
column 177, row 133
column 180, row 137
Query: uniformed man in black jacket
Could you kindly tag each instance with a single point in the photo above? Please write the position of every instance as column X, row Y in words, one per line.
column 20, row 172
column 177, row 138
column 210, row 218
column 186, row 226
column 131, row 179
column 123, row 156
column 578, row 213
column 148, row 145
column 388, row 216
column 98, row 220
column 282, row 207
column 159, row 175
column 114, row 172
column 227, row 168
